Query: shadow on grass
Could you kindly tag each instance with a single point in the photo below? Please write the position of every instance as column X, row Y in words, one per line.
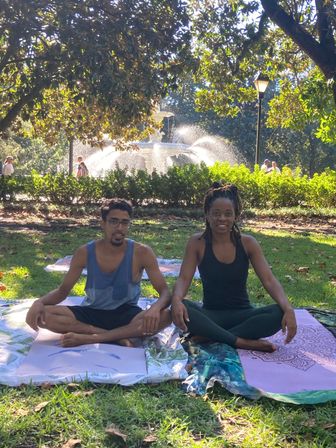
column 161, row 411
column 86, row 411
column 285, row 252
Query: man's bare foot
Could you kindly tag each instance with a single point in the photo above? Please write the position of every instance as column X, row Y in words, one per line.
column 124, row 342
column 74, row 339
column 255, row 344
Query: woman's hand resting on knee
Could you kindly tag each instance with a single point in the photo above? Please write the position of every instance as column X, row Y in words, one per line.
column 180, row 315
column 288, row 324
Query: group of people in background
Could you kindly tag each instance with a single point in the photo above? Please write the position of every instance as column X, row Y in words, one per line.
column 7, row 167
column 269, row 167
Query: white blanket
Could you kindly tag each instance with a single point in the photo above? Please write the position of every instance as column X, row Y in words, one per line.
column 29, row 357
column 170, row 267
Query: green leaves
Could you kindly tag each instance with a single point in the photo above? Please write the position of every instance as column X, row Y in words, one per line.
column 119, row 55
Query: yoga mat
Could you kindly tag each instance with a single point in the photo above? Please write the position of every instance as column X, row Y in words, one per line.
column 168, row 267
column 29, row 357
column 302, row 372
column 307, row 364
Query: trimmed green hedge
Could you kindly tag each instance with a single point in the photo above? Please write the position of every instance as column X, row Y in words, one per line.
column 179, row 187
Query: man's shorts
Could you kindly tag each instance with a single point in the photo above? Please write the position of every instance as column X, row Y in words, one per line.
column 106, row 319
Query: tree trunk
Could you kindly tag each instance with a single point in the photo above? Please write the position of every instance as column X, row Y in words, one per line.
column 71, row 156
column 320, row 52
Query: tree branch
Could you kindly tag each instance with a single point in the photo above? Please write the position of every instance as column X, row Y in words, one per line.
column 25, row 98
column 323, row 57
column 253, row 39
column 324, row 26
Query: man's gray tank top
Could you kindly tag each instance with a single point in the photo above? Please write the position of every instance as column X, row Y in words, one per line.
column 108, row 291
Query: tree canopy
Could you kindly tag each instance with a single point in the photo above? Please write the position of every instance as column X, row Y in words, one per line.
column 288, row 39
column 115, row 56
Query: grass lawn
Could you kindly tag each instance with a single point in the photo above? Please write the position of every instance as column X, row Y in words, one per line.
column 163, row 412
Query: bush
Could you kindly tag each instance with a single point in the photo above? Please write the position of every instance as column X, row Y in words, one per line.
column 183, row 186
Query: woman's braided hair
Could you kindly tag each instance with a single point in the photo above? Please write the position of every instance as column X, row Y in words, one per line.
column 228, row 191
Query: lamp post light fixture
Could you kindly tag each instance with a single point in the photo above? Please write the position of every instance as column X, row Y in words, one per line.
column 261, row 83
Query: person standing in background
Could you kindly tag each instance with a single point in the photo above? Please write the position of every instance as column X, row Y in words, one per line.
column 82, row 170
column 8, row 168
column 275, row 167
column 266, row 167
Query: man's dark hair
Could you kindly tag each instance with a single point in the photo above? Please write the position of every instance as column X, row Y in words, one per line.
column 116, row 204
column 228, row 191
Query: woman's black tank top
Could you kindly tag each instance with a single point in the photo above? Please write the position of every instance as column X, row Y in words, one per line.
column 224, row 284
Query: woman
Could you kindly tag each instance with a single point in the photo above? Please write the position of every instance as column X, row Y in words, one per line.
column 8, row 169
column 222, row 255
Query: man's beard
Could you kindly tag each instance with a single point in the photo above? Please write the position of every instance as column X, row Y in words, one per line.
column 117, row 243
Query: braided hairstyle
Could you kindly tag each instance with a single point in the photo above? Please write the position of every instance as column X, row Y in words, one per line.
column 228, row 191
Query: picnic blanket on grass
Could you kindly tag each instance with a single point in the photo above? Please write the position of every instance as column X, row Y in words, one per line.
column 170, row 267
column 27, row 357
column 302, row 372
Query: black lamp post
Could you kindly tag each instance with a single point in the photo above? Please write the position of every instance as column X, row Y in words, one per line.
column 261, row 83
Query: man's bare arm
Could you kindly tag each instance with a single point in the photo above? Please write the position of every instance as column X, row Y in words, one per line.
column 35, row 314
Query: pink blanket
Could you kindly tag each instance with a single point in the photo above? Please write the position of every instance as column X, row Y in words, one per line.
column 308, row 363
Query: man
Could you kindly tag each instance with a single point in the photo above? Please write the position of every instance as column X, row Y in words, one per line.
column 266, row 166
column 114, row 266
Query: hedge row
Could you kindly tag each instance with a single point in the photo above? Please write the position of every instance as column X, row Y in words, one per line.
column 179, row 187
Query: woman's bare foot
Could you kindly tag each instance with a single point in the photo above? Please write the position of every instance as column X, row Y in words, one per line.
column 255, row 344
column 74, row 339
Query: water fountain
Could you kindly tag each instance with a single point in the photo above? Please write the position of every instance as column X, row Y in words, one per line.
column 189, row 145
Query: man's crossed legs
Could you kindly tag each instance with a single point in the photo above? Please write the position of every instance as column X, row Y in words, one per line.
column 61, row 319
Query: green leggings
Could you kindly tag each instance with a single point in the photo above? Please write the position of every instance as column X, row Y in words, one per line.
column 226, row 325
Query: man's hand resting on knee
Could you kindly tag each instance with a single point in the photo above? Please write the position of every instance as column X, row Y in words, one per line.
column 151, row 320
column 36, row 315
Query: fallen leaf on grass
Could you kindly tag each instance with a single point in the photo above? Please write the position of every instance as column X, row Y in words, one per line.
column 149, row 439
column 72, row 443
column 3, row 287
column 310, row 422
column 113, row 430
column 21, row 412
column 289, row 278
column 231, row 421
column 83, row 393
column 41, row 406
column 73, row 385
column 1, row 274
column 302, row 269
column 329, row 425
column 332, row 278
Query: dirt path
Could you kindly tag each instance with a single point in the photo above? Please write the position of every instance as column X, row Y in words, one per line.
column 40, row 221
column 296, row 225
